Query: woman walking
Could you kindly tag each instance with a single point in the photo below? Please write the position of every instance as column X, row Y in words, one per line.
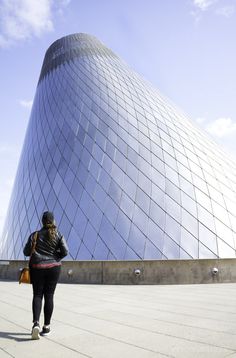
column 46, row 248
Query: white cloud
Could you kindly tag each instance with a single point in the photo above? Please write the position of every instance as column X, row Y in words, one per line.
column 200, row 7
column 203, row 5
column 200, row 120
column 226, row 11
column 221, row 127
column 23, row 19
column 26, row 104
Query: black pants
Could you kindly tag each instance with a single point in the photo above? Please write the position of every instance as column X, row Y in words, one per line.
column 44, row 283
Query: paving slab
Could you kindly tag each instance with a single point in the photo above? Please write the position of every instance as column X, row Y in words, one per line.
column 104, row 321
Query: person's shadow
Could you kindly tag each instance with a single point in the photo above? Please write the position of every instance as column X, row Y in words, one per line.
column 16, row 336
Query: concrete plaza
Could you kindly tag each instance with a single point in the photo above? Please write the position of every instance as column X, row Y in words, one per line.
column 104, row 321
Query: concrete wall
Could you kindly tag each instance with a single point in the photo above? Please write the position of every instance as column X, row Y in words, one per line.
column 123, row 272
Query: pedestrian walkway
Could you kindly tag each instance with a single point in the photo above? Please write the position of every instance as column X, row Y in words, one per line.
column 99, row 321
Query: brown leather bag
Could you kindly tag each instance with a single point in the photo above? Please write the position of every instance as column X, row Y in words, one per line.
column 25, row 272
column 25, row 275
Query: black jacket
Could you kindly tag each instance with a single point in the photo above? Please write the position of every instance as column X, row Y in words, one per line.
column 47, row 251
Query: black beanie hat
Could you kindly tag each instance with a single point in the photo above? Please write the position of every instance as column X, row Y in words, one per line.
column 48, row 218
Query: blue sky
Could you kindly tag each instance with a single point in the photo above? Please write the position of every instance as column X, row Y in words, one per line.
column 185, row 48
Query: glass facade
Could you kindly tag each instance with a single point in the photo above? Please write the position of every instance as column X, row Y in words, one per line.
column 127, row 175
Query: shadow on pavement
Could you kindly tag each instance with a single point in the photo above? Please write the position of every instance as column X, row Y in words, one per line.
column 18, row 337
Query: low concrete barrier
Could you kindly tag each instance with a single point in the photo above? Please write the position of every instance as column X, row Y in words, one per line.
column 150, row 272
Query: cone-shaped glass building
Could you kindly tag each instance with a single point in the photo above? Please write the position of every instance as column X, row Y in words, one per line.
column 126, row 174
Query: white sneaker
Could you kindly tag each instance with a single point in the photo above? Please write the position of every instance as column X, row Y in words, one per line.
column 35, row 331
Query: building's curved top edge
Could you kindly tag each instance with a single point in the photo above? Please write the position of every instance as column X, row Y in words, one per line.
column 78, row 35
column 72, row 46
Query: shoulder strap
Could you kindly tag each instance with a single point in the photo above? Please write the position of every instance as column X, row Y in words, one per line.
column 36, row 234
